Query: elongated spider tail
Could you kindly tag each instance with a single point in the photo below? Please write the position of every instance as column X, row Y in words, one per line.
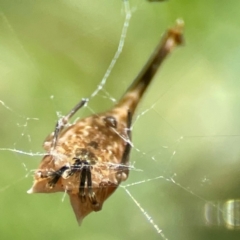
column 172, row 38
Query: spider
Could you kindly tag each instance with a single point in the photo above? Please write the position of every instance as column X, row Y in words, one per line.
column 81, row 163
column 90, row 158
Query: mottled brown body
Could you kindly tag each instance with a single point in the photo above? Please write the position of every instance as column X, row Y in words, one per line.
column 100, row 140
column 102, row 145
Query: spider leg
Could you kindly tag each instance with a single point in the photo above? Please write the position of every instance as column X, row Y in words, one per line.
column 64, row 172
column 122, row 169
column 74, row 168
column 56, row 176
column 83, row 177
column 61, row 123
column 125, row 156
column 91, row 194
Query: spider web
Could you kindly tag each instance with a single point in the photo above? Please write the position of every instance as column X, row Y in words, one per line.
column 184, row 174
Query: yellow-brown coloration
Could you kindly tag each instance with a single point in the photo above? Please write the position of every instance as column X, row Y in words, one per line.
column 100, row 140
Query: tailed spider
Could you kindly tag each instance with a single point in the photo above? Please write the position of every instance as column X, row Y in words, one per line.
column 89, row 158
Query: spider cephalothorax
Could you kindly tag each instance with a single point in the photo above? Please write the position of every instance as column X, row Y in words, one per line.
column 89, row 159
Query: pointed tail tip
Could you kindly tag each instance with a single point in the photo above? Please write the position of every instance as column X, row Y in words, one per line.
column 180, row 23
column 177, row 31
column 174, row 35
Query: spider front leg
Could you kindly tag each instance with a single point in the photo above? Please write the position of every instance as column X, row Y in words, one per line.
column 85, row 176
column 65, row 172
column 91, row 194
column 62, row 122
column 55, row 176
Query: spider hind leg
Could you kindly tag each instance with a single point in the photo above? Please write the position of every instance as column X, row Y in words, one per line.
column 126, row 153
column 123, row 168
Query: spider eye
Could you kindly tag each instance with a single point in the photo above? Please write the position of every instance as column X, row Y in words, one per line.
column 110, row 121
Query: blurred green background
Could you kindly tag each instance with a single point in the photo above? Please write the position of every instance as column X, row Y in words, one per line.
column 53, row 53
